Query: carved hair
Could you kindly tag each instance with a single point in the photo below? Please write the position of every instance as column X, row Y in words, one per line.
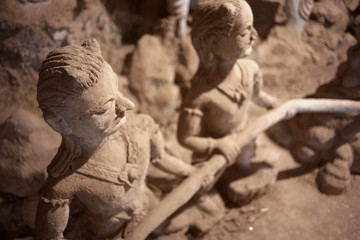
column 213, row 19
column 305, row 8
column 67, row 72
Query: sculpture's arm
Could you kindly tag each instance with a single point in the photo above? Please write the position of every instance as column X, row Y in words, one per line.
column 260, row 97
column 265, row 100
column 189, row 129
column 51, row 219
column 164, row 160
column 173, row 165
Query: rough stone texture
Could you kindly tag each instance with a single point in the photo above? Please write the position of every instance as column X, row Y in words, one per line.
column 333, row 14
column 157, row 81
column 334, row 177
column 330, row 184
column 251, row 186
column 28, row 210
column 10, row 216
column 316, row 136
column 27, row 146
column 29, row 31
column 153, row 79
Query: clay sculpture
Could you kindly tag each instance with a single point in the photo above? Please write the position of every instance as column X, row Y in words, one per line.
column 104, row 155
column 218, row 101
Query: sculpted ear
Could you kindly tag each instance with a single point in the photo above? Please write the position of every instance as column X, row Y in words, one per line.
column 57, row 123
column 213, row 41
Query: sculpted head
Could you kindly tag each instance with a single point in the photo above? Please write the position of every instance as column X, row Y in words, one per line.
column 223, row 29
column 78, row 92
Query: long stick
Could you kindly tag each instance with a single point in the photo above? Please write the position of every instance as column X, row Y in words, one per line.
column 184, row 192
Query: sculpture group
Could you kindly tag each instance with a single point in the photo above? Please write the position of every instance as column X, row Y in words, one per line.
column 106, row 152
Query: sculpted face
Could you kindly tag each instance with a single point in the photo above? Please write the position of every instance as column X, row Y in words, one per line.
column 240, row 41
column 100, row 110
column 245, row 32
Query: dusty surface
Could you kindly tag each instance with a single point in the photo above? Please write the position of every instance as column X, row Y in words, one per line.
column 293, row 208
column 26, row 147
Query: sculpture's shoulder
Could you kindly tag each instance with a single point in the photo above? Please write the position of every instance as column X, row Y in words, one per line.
column 59, row 189
column 250, row 72
column 140, row 124
column 197, row 96
column 248, row 64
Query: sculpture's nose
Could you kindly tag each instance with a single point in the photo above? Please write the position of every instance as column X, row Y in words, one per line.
column 123, row 104
column 254, row 35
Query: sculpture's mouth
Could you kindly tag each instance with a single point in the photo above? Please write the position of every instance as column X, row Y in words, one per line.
column 120, row 115
column 122, row 105
column 119, row 120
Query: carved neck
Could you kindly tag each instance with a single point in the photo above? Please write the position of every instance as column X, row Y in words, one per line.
column 87, row 145
column 215, row 72
column 65, row 159
column 226, row 65
column 73, row 153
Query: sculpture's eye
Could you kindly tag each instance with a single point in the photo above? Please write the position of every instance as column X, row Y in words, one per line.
column 245, row 31
column 109, row 105
column 100, row 111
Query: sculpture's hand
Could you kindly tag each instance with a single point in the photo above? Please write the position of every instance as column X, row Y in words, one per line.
column 188, row 170
column 228, row 147
column 209, row 179
column 273, row 102
column 266, row 100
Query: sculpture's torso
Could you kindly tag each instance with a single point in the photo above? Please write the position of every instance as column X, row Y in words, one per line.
column 223, row 115
column 114, row 174
column 225, row 106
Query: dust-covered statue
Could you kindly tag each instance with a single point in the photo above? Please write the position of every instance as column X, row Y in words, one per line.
column 217, row 104
column 104, row 155
column 213, row 123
